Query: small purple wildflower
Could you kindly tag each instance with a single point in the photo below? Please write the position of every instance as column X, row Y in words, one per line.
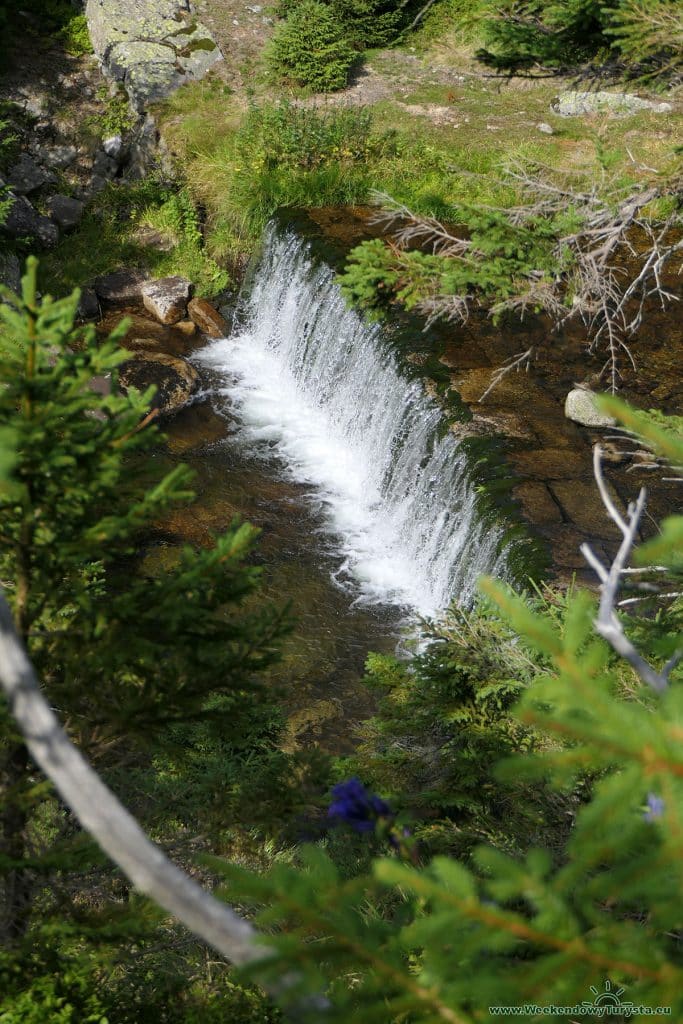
column 353, row 804
column 655, row 807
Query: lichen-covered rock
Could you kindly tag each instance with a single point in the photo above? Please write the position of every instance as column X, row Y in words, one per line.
column 581, row 406
column 151, row 46
column 167, row 298
column 573, row 103
column 207, row 318
column 176, row 381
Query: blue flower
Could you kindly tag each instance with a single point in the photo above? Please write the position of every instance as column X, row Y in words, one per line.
column 353, row 804
column 655, row 807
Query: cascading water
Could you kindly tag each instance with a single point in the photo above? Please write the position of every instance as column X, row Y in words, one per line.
column 310, row 380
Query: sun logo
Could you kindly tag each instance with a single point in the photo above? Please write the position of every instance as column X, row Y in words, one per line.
column 607, row 997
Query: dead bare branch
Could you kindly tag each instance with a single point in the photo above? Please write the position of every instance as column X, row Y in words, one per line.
column 608, row 624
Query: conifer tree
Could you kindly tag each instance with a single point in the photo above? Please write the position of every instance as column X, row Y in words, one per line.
column 124, row 656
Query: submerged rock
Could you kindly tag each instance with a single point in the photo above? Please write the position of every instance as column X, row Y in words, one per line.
column 573, row 103
column 581, row 407
column 207, row 318
column 175, row 380
column 167, row 298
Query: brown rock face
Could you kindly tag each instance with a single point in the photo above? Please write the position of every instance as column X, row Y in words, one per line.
column 175, row 380
column 207, row 319
column 166, row 299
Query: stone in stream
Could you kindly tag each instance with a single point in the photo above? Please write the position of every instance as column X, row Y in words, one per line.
column 167, row 298
column 175, row 380
column 207, row 318
column 120, row 288
column 621, row 104
column 65, row 211
column 581, row 406
column 186, row 327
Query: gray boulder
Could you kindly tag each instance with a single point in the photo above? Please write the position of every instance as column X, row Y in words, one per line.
column 621, row 104
column 167, row 298
column 104, row 166
column 120, row 288
column 58, row 156
column 65, row 211
column 113, row 147
column 10, row 271
column 581, row 407
column 27, row 176
column 88, row 306
column 24, row 221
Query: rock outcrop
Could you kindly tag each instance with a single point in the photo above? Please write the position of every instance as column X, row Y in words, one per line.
column 621, row 104
column 150, row 46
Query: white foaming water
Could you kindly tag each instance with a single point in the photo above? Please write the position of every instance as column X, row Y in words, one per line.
column 309, row 378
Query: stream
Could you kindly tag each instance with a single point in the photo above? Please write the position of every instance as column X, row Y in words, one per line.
column 367, row 510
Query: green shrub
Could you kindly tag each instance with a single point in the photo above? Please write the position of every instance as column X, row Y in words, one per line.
column 76, row 36
column 366, row 23
column 311, row 49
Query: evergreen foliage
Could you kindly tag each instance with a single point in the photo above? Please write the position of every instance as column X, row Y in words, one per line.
column 644, row 35
column 366, row 23
column 444, row 719
column 311, row 49
column 148, row 672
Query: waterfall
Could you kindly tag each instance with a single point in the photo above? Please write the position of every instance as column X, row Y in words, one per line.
column 309, row 380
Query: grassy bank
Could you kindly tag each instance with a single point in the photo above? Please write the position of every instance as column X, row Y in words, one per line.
column 428, row 127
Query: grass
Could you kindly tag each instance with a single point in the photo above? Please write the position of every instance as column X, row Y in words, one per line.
column 108, row 238
column 423, row 157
